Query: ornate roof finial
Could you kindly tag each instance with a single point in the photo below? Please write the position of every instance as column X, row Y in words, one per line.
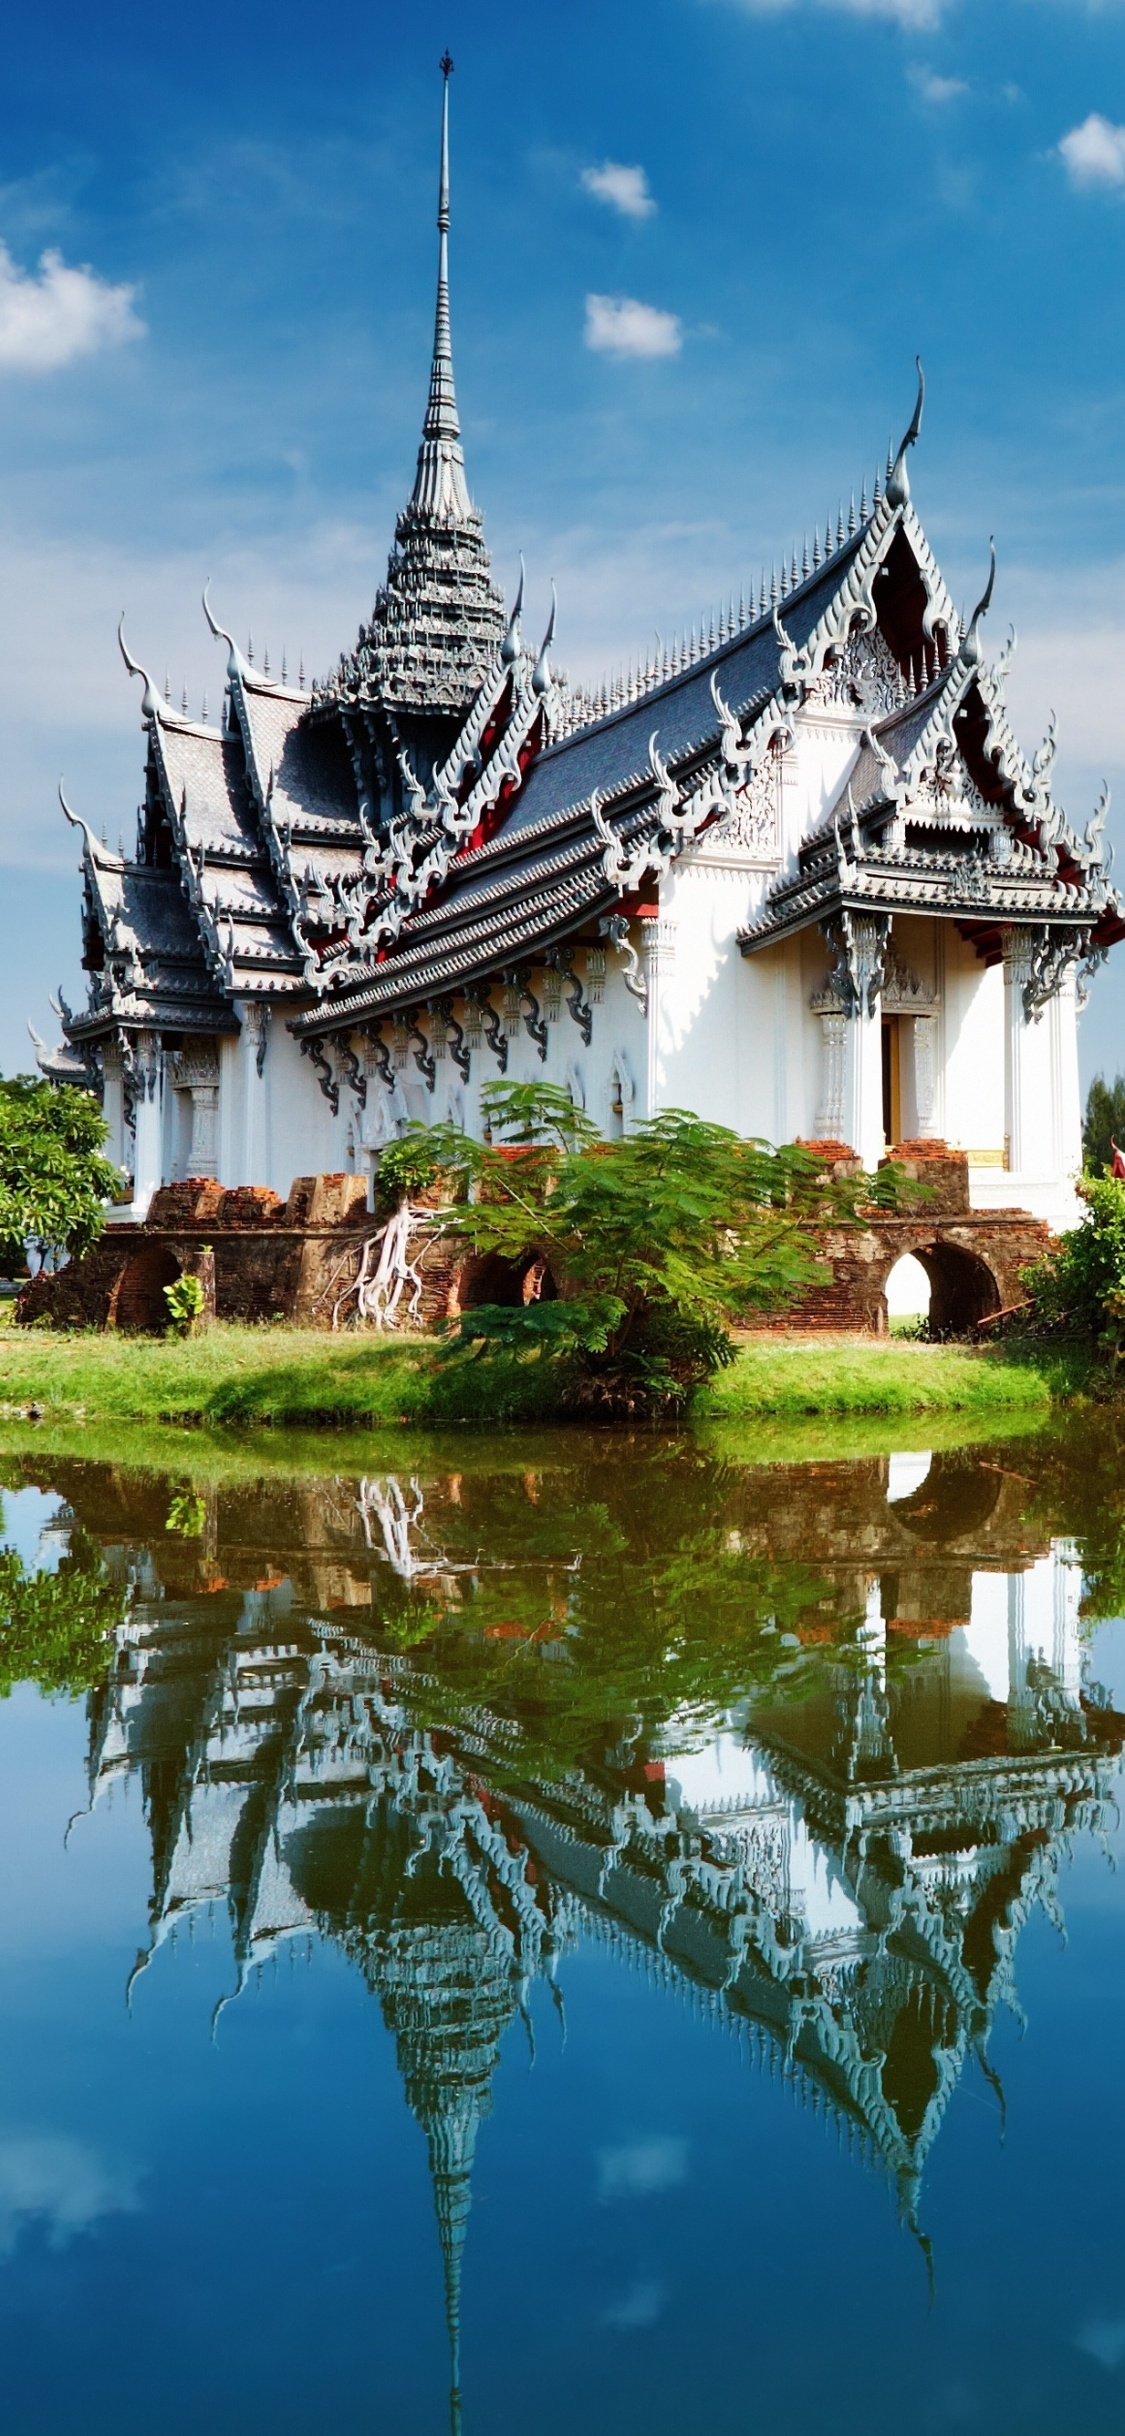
column 898, row 480
column 509, row 648
column 77, row 822
column 236, row 665
column 972, row 651
column 152, row 706
column 542, row 677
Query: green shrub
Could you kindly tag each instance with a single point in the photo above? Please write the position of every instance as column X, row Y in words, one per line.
column 186, row 1302
column 1079, row 1288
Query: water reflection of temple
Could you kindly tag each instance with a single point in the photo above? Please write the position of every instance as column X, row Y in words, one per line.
column 839, row 1864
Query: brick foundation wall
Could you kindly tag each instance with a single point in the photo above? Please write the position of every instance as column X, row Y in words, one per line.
column 259, row 1258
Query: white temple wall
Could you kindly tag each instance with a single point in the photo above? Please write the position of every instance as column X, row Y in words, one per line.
column 735, row 1039
column 973, row 1024
column 720, row 1050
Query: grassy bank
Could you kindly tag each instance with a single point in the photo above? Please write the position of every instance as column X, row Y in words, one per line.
column 238, row 1377
column 785, row 1377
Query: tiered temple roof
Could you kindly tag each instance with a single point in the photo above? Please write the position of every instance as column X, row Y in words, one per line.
column 442, row 812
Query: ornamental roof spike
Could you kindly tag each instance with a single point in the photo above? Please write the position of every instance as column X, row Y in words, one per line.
column 183, row 699
column 793, row 579
column 773, row 583
column 284, row 666
column 877, row 493
column 805, row 567
column 841, row 529
column 509, row 648
column 541, row 678
column 972, row 651
column 151, row 704
column 250, row 649
column 77, row 822
column 167, row 686
column 816, row 545
column 862, row 504
column 266, row 661
column 898, row 479
column 203, row 707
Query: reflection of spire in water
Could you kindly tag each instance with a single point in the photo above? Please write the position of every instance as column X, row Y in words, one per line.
column 844, row 1893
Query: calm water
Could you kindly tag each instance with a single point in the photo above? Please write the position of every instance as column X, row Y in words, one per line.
column 590, row 1937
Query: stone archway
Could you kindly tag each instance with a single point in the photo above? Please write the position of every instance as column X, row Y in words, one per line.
column 963, row 1289
column 138, row 1301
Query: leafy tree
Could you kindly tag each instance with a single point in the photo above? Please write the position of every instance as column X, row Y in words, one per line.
column 1105, row 1122
column 56, row 1629
column 54, row 1180
column 655, row 1243
column 1078, row 1289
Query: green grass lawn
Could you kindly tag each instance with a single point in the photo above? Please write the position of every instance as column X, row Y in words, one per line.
column 786, row 1376
column 234, row 1377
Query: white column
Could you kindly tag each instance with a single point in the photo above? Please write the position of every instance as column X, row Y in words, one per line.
column 1068, row 1090
column 1030, row 1081
column 203, row 1156
column 254, row 1051
column 658, row 949
column 863, row 1084
column 148, row 1121
column 925, row 1077
column 113, row 1102
column 834, row 1035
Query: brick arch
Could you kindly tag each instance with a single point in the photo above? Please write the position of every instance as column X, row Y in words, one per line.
column 138, row 1298
column 964, row 1285
column 488, row 1278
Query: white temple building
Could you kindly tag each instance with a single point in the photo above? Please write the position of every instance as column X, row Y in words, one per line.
column 796, row 875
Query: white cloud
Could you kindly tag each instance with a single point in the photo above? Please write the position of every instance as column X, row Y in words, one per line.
column 620, row 325
column 57, row 2183
column 934, row 88
column 641, row 2167
column 627, row 190
column 1104, row 2339
column 918, row 16
column 637, row 2308
column 1094, row 153
column 49, row 317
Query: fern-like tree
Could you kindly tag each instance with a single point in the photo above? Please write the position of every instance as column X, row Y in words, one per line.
column 657, row 1243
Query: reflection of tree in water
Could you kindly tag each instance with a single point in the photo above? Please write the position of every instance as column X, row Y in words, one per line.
column 821, row 1793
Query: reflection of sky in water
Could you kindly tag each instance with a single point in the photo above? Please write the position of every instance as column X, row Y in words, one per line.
column 28, row 1515
column 655, row 2156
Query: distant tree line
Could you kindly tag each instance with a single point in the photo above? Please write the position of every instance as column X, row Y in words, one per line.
column 1105, row 1123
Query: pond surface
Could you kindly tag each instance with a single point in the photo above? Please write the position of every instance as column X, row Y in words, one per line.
column 564, row 1935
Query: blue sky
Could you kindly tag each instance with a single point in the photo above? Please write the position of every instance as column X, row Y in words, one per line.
column 757, row 214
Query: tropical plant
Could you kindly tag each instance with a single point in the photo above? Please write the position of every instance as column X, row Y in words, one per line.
column 655, row 1243
column 186, row 1302
column 1104, row 1124
column 54, row 1180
